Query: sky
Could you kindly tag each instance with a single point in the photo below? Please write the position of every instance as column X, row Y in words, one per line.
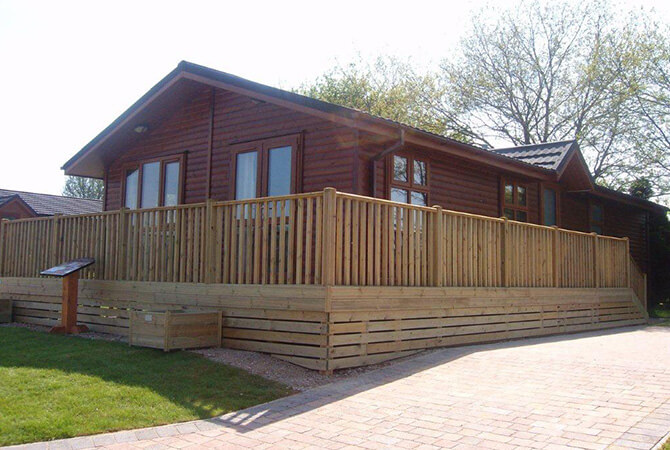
column 70, row 68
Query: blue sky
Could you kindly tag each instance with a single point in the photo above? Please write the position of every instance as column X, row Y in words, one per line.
column 70, row 68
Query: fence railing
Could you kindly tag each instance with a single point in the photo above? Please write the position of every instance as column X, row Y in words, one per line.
column 327, row 237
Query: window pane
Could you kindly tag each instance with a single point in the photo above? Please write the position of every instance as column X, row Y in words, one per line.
column 509, row 213
column 171, row 188
column 400, row 169
column 419, row 198
column 420, row 173
column 131, row 189
column 279, row 172
column 521, row 195
column 245, row 176
column 509, row 194
column 150, row 179
column 549, row 207
column 521, row 216
column 399, row 195
column 596, row 213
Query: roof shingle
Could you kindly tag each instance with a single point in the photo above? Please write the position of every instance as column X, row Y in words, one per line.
column 48, row 205
column 549, row 155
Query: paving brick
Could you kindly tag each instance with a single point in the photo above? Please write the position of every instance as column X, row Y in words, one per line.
column 593, row 390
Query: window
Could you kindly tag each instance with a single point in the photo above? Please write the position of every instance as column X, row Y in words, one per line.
column 409, row 180
column 550, row 207
column 515, row 201
column 132, row 177
column 266, row 168
column 596, row 218
column 153, row 183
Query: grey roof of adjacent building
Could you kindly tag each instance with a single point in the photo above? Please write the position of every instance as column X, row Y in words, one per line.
column 48, row 205
column 550, row 155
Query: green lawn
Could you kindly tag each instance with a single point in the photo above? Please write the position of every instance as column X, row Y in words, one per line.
column 54, row 387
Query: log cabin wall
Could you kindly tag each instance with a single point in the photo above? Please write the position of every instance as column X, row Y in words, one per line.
column 328, row 148
column 337, row 156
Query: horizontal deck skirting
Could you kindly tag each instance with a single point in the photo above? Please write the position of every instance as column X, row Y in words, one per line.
column 326, row 328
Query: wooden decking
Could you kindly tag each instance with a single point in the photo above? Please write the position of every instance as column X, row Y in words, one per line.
column 328, row 280
column 327, row 328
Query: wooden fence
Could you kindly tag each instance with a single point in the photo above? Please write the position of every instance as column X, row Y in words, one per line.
column 322, row 238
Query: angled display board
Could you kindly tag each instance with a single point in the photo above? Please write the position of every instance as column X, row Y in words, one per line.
column 69, row 272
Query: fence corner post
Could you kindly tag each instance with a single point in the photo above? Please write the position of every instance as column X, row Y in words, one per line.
column 55, row 240
column 556, row 259
column 122, row 244
column 628, row 283
column 438, row 249
column 209, row 245
column 504, row 260
column 328, row 251
column 596, row 268
column 2, row 246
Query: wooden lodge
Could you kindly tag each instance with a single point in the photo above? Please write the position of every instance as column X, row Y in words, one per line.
column 329, row 237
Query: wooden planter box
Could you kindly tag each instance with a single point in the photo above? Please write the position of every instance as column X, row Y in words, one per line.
column 5, row 311
column 173, row 330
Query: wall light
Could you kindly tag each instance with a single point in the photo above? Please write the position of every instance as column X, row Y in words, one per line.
column 139, row 129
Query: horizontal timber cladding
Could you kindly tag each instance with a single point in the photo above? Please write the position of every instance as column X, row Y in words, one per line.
column 327, row 328
column 369, row 325
column 289, row 322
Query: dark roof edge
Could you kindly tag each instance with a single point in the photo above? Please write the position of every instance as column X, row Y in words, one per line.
column 628, row 198
column 292, row 97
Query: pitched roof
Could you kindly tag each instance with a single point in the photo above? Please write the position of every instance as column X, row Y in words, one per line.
column 550, row 155
column 48, row 205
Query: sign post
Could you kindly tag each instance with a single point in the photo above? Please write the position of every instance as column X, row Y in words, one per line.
column 69, row 272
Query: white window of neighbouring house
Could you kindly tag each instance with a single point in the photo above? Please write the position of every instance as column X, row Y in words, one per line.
column 409, row 180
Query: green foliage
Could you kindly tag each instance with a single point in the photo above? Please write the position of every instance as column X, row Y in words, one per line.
column 54, row 387
column 641, row 188
column 81, row 187
column 385, row 87
column 537, row 72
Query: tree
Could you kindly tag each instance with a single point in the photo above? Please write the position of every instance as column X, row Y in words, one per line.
column 641, row 188
column 385, row 87
column 539, row 73
column 82, row 187
column 643, row 64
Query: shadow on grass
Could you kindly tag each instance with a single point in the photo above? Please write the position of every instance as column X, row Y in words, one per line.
column 60, row 386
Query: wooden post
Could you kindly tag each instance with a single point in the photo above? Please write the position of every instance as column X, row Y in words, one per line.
column 209, row 240
column 556, row 259
column 2, row 246
column 504, row 260
column 328, row 251
column 55, row 240
column 644, row 291
column 436, row 246
column 122, row 244
column 69, row 304
column 628, row 284
column 596, row 272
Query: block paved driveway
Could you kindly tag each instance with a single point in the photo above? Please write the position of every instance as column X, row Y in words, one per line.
column 606, row 389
